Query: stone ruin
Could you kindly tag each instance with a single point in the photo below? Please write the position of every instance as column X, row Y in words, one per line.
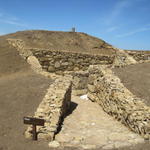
column 140, row 56
column 81, row 73
column 53, row 108
column 107, row 90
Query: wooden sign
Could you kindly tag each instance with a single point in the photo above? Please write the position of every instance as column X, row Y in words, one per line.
column 35, row 122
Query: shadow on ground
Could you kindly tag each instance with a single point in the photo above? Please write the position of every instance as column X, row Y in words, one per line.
column 73, row 106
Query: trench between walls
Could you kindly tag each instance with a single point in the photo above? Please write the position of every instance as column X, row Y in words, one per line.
column 56, row 103
column 98, row 81
column 53, row 108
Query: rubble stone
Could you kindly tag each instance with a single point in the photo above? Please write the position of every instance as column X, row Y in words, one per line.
column 53, row 108
column 117, row 100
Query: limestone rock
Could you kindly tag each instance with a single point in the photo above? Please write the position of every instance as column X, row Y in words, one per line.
column 109, row 146
column 87, row 146
column 57, row 64
column 54, row 144
column 65, row 64
column 51, row 69
column 76, row 69
column 117, row 100
column 35, row 65
column 53, row 107
column 122, row 58
column 91, row 88
column 63, row 138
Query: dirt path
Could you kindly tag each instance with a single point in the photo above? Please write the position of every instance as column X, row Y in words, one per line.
column 88, row 126
column 137, row 79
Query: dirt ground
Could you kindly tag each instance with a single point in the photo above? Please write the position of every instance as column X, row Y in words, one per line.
column 89, row 126
column 21, row 91
column 137, row 79
column 20, row 95
column 58, row 40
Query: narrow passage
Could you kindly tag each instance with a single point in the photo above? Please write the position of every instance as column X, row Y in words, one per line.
column 88, row 127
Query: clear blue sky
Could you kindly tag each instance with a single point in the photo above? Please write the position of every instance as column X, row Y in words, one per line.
column 122, row 23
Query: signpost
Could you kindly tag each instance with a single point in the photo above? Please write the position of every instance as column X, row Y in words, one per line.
column 34, row 122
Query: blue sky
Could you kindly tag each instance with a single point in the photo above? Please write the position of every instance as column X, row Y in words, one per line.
column 122, row 23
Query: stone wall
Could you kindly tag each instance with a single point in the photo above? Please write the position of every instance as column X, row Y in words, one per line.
column 20, row 46
column 53, row 108
column 122, row 59
column 140, row 55
column 106, row 89
column 79, row 82
column 103, row 87
column 60, row 61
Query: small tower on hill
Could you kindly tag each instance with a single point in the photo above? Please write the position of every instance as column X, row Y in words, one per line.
column 73, row 29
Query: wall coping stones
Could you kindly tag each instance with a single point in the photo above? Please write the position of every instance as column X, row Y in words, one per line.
column 35, row 50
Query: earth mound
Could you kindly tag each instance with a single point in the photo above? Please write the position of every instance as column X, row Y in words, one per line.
column 58, row 40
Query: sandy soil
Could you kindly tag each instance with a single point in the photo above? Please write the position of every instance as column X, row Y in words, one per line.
column 21, row 91
column 137, row 79
column 59, row 40
column 20, row 95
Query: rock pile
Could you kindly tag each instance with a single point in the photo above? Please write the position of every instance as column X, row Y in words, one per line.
column 140, row 56
column 53, row 108
column 106, row 89
column 122, row 59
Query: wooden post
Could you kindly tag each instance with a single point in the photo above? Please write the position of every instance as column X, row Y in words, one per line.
column 34, row 133
column 34, row 122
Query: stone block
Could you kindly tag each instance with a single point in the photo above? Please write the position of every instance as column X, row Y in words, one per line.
column 57, row 64
column 91, row 88
column 51, row 69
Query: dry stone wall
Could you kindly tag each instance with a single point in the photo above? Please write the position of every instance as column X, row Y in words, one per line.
column 20, row 46
column 60, row 61
column 103, row 87
column 106, row 89
column 53, row 108
column 122, row 59
column 140, row 56
column 27, row 54
column 79, row 82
